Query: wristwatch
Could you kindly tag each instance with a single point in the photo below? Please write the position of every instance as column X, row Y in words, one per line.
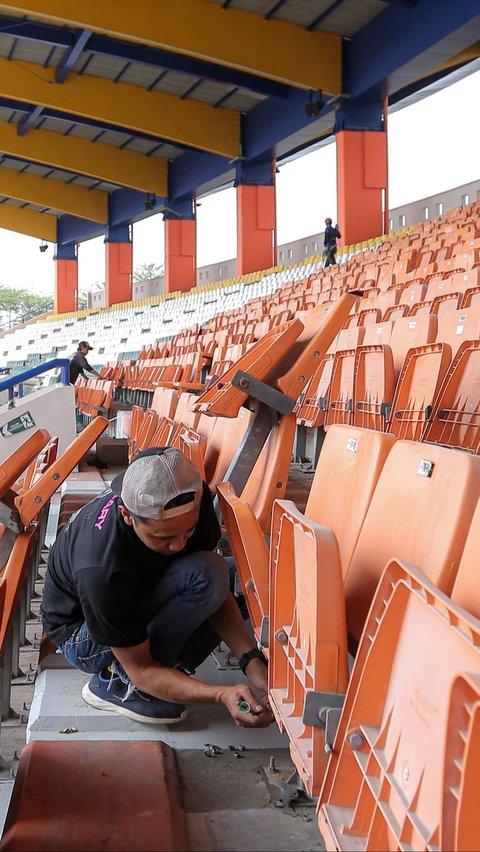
column 249, row 655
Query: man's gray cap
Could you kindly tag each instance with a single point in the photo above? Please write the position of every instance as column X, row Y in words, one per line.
column 154, row 478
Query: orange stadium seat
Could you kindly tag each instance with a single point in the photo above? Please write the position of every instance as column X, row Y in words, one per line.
column 184, row 412
column 421, row 376
column 455, row 327
column 340, row 396
column 446, row 302
column 192, row 445
column 403, row 768
column 455, row 418
column 418, row 482
column 379, row 333
column 347, row 452
column 374, row 386
column 409, row 332
column 311, row 405
column 394, row 312
column 347, row 338
column 466, row 588
column 415, row 484
column 268, row 477
column 12, row 468
column 471, row 296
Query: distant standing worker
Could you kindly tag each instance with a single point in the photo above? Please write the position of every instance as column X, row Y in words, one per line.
column 79, row 363
column 332, row 234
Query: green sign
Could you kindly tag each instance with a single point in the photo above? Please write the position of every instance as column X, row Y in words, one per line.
column 18, row 424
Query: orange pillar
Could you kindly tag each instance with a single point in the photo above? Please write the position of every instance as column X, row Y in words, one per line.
column 118, row 272
column 180, row 254
column 362, row 181
column 66, row 285
column 256, row 225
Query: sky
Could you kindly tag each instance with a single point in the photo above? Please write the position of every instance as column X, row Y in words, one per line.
column 425, row 157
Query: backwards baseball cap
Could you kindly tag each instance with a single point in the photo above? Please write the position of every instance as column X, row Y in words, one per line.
column 155, row 478
column 84, row 344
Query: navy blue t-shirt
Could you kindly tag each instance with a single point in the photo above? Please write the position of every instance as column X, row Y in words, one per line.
column 99, row 570
column 330, row 237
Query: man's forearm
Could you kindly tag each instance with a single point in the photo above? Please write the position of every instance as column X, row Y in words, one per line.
column 172, row 685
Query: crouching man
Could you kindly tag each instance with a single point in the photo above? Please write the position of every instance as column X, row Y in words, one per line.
column 135, row 596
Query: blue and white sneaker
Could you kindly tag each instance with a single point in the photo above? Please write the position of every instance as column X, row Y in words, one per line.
column 113, row 693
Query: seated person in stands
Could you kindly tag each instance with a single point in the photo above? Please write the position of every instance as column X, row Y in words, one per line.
column 79, row 363
column 135, row 596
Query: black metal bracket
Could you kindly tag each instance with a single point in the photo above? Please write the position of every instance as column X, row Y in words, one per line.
column 323, row 710
column 316, row 703
column 264, row 631
column 264, row 393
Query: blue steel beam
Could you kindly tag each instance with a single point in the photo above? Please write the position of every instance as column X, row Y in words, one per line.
column 119, row 234
column 124, row 206
column 401, row 45
column 261, row 129
column 142, row 54
column 270, row 122
column 72, row 230
column 71, row 56
column 196, row 170
column 27, row 122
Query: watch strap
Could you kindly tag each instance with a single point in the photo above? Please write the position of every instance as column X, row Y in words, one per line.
column 249, row 655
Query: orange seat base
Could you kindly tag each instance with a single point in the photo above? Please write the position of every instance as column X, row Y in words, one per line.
column 96, row 796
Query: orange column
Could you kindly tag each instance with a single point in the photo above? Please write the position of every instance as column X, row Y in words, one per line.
column 118, row 273
column 180, row 254
column 362, row 180
column 66, row 285
column 256, row 224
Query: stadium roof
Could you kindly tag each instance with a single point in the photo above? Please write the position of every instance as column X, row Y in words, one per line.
column 110, row 111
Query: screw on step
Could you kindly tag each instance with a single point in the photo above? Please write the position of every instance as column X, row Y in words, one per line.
column 271, row 765
column 208, row 751
column 15, row 755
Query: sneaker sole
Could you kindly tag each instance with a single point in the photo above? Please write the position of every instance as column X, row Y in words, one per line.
column 99, row 704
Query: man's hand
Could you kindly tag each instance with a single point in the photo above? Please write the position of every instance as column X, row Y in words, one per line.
column 259, row 716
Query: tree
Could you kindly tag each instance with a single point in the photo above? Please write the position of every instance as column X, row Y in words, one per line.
column 146, row 271
column 20, row 305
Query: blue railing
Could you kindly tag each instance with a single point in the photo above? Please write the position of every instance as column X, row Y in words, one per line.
column 10, row 383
